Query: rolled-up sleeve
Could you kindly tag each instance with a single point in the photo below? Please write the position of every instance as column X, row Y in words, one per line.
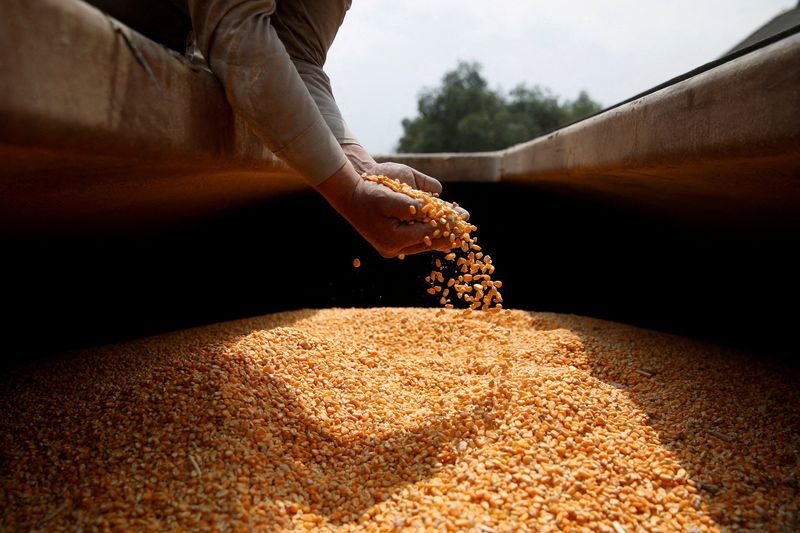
column 264, row 86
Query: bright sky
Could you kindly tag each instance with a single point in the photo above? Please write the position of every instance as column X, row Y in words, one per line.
column 387, row 51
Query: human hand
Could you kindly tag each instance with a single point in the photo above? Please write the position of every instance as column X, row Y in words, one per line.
column 383, row 217
column 405, row 174
column 364, row 163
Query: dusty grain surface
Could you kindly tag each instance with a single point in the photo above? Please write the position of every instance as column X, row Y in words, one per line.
column 402, row 418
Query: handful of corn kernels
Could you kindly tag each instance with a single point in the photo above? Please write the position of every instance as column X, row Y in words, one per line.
column 471, row 278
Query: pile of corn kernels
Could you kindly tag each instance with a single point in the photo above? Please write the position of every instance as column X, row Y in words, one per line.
column 385, row 419
column 471, row 281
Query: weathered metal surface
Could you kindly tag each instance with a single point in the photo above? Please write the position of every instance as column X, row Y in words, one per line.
column 724, row 142
column 467, row 167
column 101, row 126
column 746, row 109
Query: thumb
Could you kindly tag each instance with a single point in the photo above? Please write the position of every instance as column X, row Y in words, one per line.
column 426, row 183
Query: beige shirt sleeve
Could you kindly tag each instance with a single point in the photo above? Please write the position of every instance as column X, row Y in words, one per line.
column 319, row 85
column 263, row 84
column 307, row 29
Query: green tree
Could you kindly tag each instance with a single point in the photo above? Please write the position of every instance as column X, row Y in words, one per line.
column 581, row 107
column 465, row 115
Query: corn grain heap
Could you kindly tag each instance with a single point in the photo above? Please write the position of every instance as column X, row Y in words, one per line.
column 383, row 419
column 472, row 282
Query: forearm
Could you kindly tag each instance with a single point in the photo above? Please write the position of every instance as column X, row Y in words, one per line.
column 338, row 189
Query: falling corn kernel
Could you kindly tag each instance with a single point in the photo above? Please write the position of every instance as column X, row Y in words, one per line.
column 356, row 262
column 451, row 224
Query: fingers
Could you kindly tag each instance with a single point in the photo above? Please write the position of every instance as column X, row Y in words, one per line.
column 396, row 171
column 409, row 176
column 409, row 232
column 416, row 249
column 412, row 239
column 399, row 228
column 397, row 236
column 426, row 183
column 411, row 235
column 399, row 206
column 422, row 248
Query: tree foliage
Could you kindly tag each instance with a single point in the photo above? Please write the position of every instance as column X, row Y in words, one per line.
column 465, row 115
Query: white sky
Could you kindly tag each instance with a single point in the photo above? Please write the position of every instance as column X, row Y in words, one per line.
column 387, row 51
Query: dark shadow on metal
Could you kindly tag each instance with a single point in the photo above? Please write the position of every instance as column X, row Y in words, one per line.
column 728, row 281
